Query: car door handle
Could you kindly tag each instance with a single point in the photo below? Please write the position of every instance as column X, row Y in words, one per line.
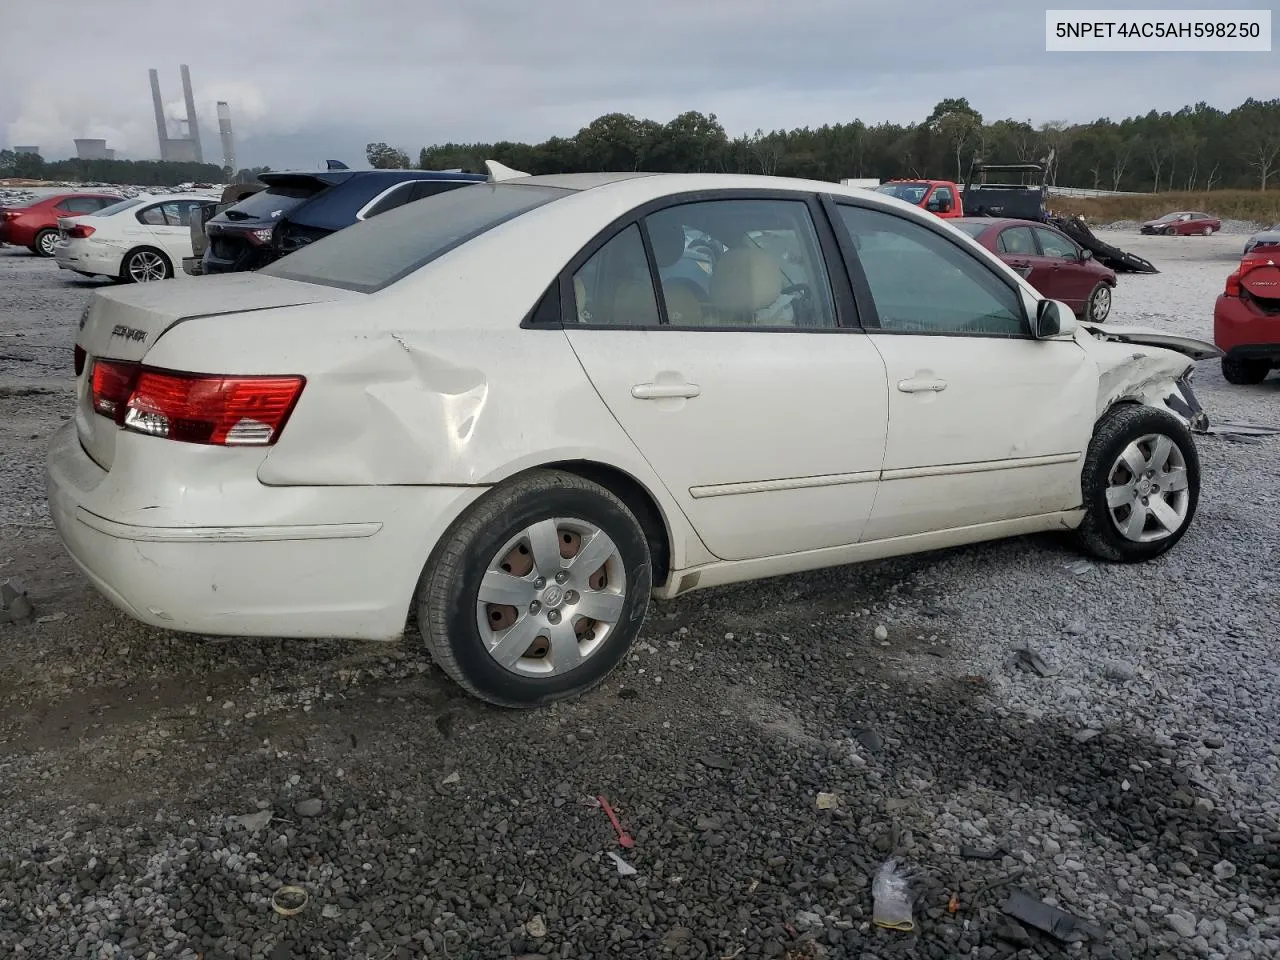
column 1018, row 263
column 663, row 391
column 922, row 386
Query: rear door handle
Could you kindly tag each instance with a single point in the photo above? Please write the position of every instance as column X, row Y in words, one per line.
column 663, row 391
column 922, row 386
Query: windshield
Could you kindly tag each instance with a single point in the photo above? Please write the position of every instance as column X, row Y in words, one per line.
column 375, row 253
column 118, row 207
column 910, row 192
column 274, row 202
column 972, row 229
column 1170, row 217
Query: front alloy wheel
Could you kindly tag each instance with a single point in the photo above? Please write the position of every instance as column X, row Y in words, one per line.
column 1140, row 483
column 537, row 592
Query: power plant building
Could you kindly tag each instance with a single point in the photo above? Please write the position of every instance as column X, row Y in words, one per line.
column 93, row 150
column 185, row 147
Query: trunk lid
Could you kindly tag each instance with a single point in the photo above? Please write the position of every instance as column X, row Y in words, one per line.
column 125, row 322
column 1260, row 276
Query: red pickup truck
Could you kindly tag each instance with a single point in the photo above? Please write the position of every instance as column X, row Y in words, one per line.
column 941, row 197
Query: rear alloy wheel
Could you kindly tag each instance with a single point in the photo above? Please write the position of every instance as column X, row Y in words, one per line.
column 1244, row 372
column 145, row 266
column 538, row 592
column 1141, row 485
column 1207, row 231
column 45, row 241
column 1098, row 306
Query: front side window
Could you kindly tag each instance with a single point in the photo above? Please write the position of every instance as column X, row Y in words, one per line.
column 741, row 263
column 1056, row 245
column 923, row 283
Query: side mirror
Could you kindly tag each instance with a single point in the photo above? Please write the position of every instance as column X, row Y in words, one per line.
column 1053, row 319
column 1086, row 254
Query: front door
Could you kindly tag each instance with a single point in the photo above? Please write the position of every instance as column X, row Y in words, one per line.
column 1074, row 278
column 985, row 422
column 733, row 376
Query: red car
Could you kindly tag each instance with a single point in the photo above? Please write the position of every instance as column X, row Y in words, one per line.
column 1051, row 262
column 34, row 224
column 1246, row 319
column 1183, row 224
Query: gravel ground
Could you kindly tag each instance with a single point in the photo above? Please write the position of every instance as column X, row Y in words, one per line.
column 155, row 790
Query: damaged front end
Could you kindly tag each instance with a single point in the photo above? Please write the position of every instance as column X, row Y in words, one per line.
column 1157, row 374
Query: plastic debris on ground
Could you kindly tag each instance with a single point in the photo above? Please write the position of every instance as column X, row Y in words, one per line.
column 624, row 838
column 1057, row 923
column 624, row 868
column 1078, row 567
column 15, row 605
column 891, row 896
column 1032, row 662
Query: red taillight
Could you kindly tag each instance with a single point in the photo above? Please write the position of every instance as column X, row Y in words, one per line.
column 1232, row 288
column 112, row 385
column 80, row 356
column 193, row 407
column 80, row 232
column 261, row 237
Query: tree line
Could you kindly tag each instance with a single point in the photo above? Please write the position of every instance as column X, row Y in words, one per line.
column 1197, row 148
column 142, row 173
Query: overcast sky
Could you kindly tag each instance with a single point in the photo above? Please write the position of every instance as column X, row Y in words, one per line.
column 310, row 80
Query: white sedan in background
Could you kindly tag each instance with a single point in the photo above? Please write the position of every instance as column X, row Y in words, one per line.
column 133, row 241
column 521, row 408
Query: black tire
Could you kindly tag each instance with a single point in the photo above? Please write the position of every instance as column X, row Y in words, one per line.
column 1119, row 427
column 135, row 256
column 1099, row 302
column 1244, row 372
column 448, row 591
column 42, row 246
column 1170, row 232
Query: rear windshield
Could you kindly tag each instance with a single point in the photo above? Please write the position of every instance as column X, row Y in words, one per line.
column 972, row 229
column 118, row 207
column 375, row 253
column 273, row 202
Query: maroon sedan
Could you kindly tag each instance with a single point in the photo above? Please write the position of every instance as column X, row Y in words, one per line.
column 1051, row 262
column 1184, row 223
column 34, row 224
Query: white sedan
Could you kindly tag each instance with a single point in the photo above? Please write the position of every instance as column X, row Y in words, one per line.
column 133, row 241
column 519, row 409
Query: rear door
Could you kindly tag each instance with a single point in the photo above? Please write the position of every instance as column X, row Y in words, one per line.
column 1017, row 247
column 169, row 223
column 756, row 399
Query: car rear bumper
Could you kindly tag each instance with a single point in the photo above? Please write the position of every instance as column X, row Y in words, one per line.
column 255, row 561
column 1244, row 329
column 99, row 260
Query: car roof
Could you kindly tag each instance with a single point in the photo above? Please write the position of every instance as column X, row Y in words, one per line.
column 993, row 222
column 334, row 177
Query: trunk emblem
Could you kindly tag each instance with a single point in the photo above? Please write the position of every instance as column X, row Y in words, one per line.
column 129, row 333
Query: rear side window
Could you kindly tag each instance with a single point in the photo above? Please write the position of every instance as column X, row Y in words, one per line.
column 375, row 253
column 80, row 204
column 120, row 207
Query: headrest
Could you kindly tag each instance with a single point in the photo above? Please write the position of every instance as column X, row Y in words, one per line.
column 634, row 305
column 667, row 238
column 745, row 280
column 683, row 307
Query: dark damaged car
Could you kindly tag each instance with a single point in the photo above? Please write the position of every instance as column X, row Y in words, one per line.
column 296, row 209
